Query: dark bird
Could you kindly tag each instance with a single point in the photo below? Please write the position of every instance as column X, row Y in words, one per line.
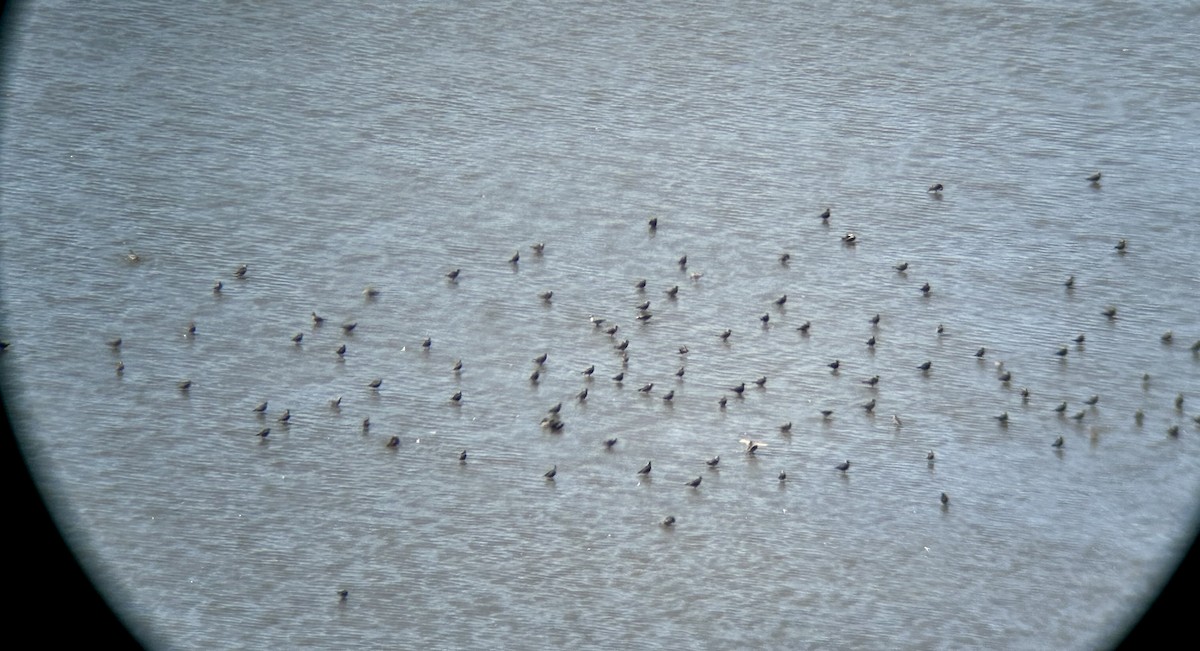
column 849, row 238
column 925, row 289
column 640, row 284
column 875, row 320
column 1080, row 339
column 824, row 215
column 1061, row 352
column 1110, row 312
column 1179, row 401
column 930, row 456
column 680, row 372
column 945, row 499
column 826, row 413
column 1058, row 442
column 191, row 330
column 589, row 370
column 341, row 350
column 724, row 335
column 336, row 403
column 546, row 296
column 1062, row 406
column 926, row 366
column 870, row 406
column 609, row 443
column 941, row 330
column 896, row 420
column 184, row 385
column 761, row 381
column 286, row 416
column 1079, row 415
column 1092, row 400
column 541, row 359
column 784, row 258
column 843, row 466
column 739, row 388
column 552, row 423
column 644, row 316
column 261, row 407
column 712, row 463
column 349, row 327
column 936, row 188
column 298, row 337
column 673, row 291
column 646, row 387
column 1166, row 336
column 217, row 286
column 114, row 343
column 1003, row 417
column 695, row 482
column 120, row 364
column 453, row 275
column 366, row 424
column 645, row 470
column 871, row 342
column 375, row 384
column 619, row 377
column 1095, row 178
column 1120, row 245
column 1173, row 430
column 370, row 292
column 670, row 395
column 317, row 320
column 535, row 376
column 871, row 381
column 516, row 257
column 551, row 472
column 264, row 432
column 722, row 402
column 426, row 343
column 394, row 442
column 623, row 345
column 457, row 366
column 835, row 364
column 462, row 456
column 457, row 397
column 668, row 521
column 653, row 223
column 240, row 272
column 538, row 247
column 981, row 352
column 782, row 476
column 786, row 427
column 683, row 262
column 612, row 330
column 582, row 395
column 1070, row 282
column 343, row 594
column 781, row 300
column 804, row 327
column 644, row 305
column 902, row 267
column 1005, row 376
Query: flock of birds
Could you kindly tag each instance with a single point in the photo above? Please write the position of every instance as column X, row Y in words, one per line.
column 552, row 421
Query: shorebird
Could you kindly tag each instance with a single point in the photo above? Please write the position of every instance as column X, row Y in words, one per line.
column 538, row 247
column 546, row 296
column 786, row 428
column 782, row 476
column 925, row 289
column 619, row 377
column 680, row 372
column 849, row 238
column 120, row 364
column 1095, row 178
column 1092, row 400
column 647, row 387
column 261, row 407
column 264, row 433
column 826, row 413
column 462, row 456
column 683, row 262
column 609, row 443
column 457, row 397
column 640, row 284
column 695, row 482
column 644, row 305
column 712, row 463
column 114, row 343
column 902, row 267
column 653, row 223
column 722, row 402
column 191, row 330
column 457, row 366
column 1058, row 442
column 644, row 316
column 393, row 442
column 683, row 350
column 370, row 292
column 587, row 372
column 871, row 381
column 936, row 188
column 645, row 470
column 941, row 329
column 286, row 416
column 668, row 521
column 739, row 388
column 871, row 342
column 582, row 395
column 1062, row 351
column 804, row 327
column 1110, row 312
column 535, row 376
column 453, row 275
column 1166, row 336
column 1120, row 245
column 843, row 466
column 343, row 594
column 1005, row 376
column 835, row 364
column 781, row 300
column 930, row 456
column 349, row 327
column 896, row 420
column 725, row 335
column 366, row 424
column 761, row 381
column 925, row 366
column 1003, row 417
column 784, row 257
column 945, row 499
column 1070, row 282
column 217, row 286
column 875, row 320
column 184, row 385
column 541, row 359
column 669, row 396
column 623, row 345
column 1179, row 401
column 870, row 406
column 317, row 320
column 336, row 403
column 1138, row 416
column 298, row 337
column 1062, row 406
column 673, row 291
column 549, row 474
column 240, row 272
column 375, row 384
column 516, row 257
column 825, row 215
column 1079, row 415
column 981, row 352
column 765, row 318
column 612, row 330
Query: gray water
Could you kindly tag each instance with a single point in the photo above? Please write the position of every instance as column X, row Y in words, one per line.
column 343, row 145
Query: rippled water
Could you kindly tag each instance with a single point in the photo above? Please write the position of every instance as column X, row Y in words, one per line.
column 343, row 145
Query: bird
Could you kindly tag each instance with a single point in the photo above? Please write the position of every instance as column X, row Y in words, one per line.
column 541, row 359
column 871, row 381
column 653, row 223
column 644, row 305
column 870, row 406
column 298, row 337
column 1179, row 401
column 1079, row 339
column 673, row 291
column 619, row 377
column 871, row 342
column 115, row 343
column 930, row 456
column 843, row 466
column 804, row 327
column 462, row 456
column 739, row 388
column 546, row 296
column 849, row 238
column 184, row 385
column 646, row 387
column 781, row 300
column 1138, row 416
column 1025, row 394
column 645, row 470
column 240, row 272
column 336, row 403
column 1005, row 376
column 1003, row 417
column 609, row 443
column 669, row 396
column 120, row 364
column 261, row 407
column 680, row 372
column 824, row 215
column 1094, row 178
column 712, row 463
column 1110, row 312
column 286, row 416
column 936, row 188
column 375, row 384
column 538, row 247
column 1062, row 406
column 191, row 330
column 457, row 366
column 341, row 350
column 370, row 292
column 926, row 365
column 264, row 433
column 683, row 262
column 457, row 397
column 611, row 331
column 516, row 257
column 552, row 423
column 925, row 289
column 535, row 376
column 835, row 364
column 786, row 427
column 394, row 442
column 640, row 284
column 1092, row 400
column 1070, row 282
column 722, row 402
column 582, row 395
column 668, row 521
column 427, row 343
column 784, row 257
column 349, row 327
column 1079, row 415
column 555, row 409
column 695, row 482
column 453, row 275
column 343, row 594
column 896, row 420
column 782, row 476
column 366, row 424
column 941, row 329
column 587, row 372
column 945, row 499
column 549, row 474
column 1166, row 336
column 1062, row 351
column 981, row 352
column 1121, row 244
column 761, row 381
column 826, row 413
column 902, row 267
column 725, row 335
column 875, row 320
column 1058, row 442
column 623, row 345
column 317, row 320
column 217, row 286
